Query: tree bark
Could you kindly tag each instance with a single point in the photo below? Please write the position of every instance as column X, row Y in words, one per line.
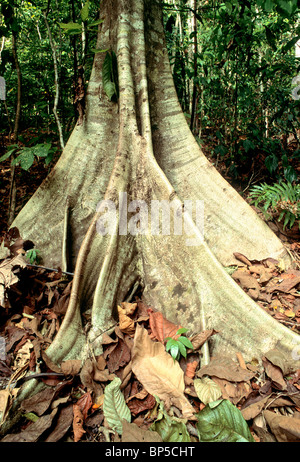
column 56, row 82
column 143, row 147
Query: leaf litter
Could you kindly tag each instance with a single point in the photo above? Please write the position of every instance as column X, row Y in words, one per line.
column 135, row 391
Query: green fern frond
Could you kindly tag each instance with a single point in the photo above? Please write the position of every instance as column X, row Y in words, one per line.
column 281, row 200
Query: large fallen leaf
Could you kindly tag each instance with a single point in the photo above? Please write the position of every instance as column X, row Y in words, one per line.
column 286, row 364
column 285, row 429
column 119, row 356
column 291, row 280
column 171, row 429
column 275, row 374
column 254, row 409
column 137, row 406
column 246, row 281
column 33, row 432
column 63, row 424
column 159, row 374
column 40, row 402
column 134, row 434
column 233, row 391
column 115, row 408
column 221, row 421
column 226, row 368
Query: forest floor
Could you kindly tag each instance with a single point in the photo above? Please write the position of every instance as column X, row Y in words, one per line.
column 73, row 407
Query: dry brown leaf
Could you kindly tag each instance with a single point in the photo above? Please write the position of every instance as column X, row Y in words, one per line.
column 77, row 423
column 275, row 374
column 103, row 376
column 241, row 360
column 246, row 280
column 40, row 402
column 140, row 404
column 128, row 308
column 101, row 363
column 242, row 258
column 199, row 339
column 126, row 324
column 254, row 409
column 85, row 403
column 290, row 280
column 225, row 368
column 23, row 356
column 5, row 401
column 278, row 358
column 7, row 276
column 160, row 327
column 191, row 369
column 132, row 433
column 71, row 366
column 285, row 429
column 63, row 423
column 159, row 373
column 250, row 412
column 32, row 433
column 87, row 374
column 234, row 392
column 119, row 356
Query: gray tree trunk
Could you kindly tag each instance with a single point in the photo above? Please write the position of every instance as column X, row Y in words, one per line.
column 142, row 146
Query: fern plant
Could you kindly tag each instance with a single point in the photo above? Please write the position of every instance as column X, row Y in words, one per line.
column 280, row 201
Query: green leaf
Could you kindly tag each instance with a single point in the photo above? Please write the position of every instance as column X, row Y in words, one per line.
column 288, row 6
column 84, row 13
column 271, row 39
column 271, row 163
column 290, row 44
column 171, row 429
column 182, row 349
column 268, row 6
column 70, row 26
column 95, row 23
column 110, row 76
column 229, row 7
column 182, row 330
column 33, row 255
column 26, row 159
column 221, row 421
column 7, row 155
column 115, row 408
column 186, row 342
column 175, row 352
column 41, row 150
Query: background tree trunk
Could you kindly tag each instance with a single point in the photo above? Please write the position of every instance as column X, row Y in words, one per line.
column 13, row 188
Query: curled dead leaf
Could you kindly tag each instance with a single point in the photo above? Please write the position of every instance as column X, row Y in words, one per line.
column 126, row 324
column 77, row 423
column 160, row 327
column 190, row 369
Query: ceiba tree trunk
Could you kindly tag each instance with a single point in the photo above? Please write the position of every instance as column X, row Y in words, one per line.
column 143, row 147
